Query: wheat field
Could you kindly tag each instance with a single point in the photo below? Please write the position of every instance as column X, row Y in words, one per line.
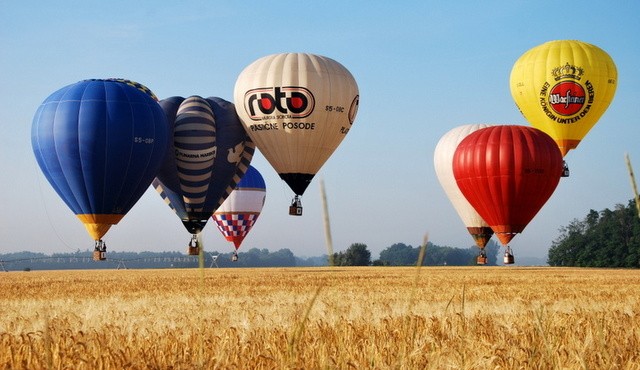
column 321, row 318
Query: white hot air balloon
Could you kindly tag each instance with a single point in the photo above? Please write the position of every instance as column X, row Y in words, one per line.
column 443, row 163
column 297, row 108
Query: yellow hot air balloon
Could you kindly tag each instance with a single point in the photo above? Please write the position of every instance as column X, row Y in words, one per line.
column 563, row 87
column 297, row 108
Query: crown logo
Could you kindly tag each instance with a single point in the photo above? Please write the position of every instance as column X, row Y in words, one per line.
column 567, row 71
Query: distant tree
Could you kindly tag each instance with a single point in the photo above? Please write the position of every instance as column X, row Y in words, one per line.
column 492, row 249
column 567, row 248
column 356, row 255
column 313, row 261
column 281, row 258
column 399, row 254
column 609, row 238
column 437, row 255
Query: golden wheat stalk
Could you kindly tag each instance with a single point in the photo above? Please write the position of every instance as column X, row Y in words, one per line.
column 327, row 225
column 299, row 329
column 633, row 183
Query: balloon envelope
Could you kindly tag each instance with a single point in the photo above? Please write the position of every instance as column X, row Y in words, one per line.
column 239, row 212
column 507, row 173
column 99, row 143
column 208, row 155
column 563, row 87
column 297, row 108
column 443, row 163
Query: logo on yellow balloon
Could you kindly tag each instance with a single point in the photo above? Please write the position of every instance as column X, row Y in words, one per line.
column 568, row 100
column 567, row 71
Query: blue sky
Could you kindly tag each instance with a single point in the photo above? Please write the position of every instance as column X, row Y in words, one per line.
column 422, row 67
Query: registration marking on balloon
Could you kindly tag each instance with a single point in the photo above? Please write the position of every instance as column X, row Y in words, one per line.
column 143, row 140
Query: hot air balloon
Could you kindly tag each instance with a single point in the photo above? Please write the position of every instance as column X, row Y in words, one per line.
column 209, row 152
column 100, row 143
column 507, row 173
column 443, row 163
column 297, row 108
column 239, row 212
column 563, row 87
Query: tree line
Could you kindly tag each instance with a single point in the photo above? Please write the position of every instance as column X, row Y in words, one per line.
column 357, row 254
column 609, row 238
column 401, row 254
column 142, row 260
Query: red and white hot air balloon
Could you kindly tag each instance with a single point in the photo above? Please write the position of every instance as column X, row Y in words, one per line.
column 479, row 230
column 507, row 173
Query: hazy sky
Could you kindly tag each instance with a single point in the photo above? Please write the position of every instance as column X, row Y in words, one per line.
column 422, row 67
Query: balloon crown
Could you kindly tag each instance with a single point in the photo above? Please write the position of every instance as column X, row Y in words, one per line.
column 567, row 71
column 137, row 85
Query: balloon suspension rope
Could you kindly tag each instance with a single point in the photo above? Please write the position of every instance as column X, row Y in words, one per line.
column 200, row 350
column 46, row 210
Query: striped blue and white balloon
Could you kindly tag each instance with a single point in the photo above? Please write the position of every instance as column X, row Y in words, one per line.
column 209, row 154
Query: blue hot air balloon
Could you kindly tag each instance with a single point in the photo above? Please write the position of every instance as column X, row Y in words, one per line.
column 208, row 155
column 100, row 143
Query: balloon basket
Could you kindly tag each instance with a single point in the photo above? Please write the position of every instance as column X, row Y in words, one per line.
column 193, row 248
column 99, row 256
column 481, row 260
column 508, row 259
column 100, row 251
column 565, row 169
column 295, row 211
